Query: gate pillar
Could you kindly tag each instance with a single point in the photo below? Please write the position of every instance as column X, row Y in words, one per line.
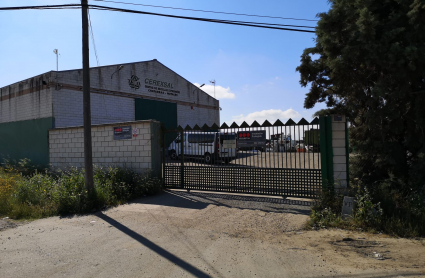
column 334, row 152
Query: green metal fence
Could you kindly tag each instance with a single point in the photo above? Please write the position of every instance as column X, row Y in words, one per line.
column 268, row 159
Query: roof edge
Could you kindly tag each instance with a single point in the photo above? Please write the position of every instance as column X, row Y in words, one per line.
column 186, row 80
column 26, row 79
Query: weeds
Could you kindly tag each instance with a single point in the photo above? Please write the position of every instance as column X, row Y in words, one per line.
column 388, row 212
column 43, row 194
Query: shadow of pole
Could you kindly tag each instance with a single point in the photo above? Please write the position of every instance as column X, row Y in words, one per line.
column 157, row 249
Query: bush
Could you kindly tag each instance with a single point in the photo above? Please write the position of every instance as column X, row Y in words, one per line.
column 8, row 179
column 384, row 211
column 23, row 166
column 43, row 194
column 326, row 212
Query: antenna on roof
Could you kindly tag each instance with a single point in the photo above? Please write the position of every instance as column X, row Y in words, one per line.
column 213, row 82
column 57, row 65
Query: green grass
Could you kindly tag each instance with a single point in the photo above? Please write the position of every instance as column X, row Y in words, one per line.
column 42, row 194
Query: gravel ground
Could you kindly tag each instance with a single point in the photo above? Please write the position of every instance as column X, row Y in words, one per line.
column 180, row 234
column 5, row 224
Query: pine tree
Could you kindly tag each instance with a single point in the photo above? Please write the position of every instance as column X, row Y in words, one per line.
column 369, row 64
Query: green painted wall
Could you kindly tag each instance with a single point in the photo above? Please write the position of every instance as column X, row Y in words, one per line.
column 156, row 149
column 326, row 152
column 165, row 112
column 26, row 139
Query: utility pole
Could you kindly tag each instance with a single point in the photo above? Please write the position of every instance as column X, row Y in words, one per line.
column 88, row 159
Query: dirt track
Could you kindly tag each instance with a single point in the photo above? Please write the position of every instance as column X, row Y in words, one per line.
column 179, row 234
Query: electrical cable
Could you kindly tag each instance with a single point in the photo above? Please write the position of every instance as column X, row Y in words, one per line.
column 44, row 7
column 204, row 11
column 240, row 23
column 231, row 22
column 92, row 36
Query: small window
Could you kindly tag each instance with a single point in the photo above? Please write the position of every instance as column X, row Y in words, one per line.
column 201, row 138
column 227, row 137
column 193, row 138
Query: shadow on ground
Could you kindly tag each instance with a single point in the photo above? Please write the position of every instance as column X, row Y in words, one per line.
column 200, row 200
column 154, row 247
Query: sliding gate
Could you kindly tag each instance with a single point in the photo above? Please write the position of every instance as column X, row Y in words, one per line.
column 269, row 159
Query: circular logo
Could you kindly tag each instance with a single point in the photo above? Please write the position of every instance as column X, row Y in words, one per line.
column 134, row 82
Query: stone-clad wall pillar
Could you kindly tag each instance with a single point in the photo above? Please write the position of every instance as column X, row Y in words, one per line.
column 340, row 154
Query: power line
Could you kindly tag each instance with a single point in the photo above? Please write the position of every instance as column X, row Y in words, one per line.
column 44, row 7
column 231, row 22
column 240, row 23
column 205, row 11
column 92, row 37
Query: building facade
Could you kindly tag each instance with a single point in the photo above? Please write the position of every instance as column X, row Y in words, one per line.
column 119, row 93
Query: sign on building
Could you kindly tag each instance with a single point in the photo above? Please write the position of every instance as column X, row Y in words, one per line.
column 122, row 132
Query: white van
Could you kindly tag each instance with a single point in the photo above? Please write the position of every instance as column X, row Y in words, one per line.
column 209, row 145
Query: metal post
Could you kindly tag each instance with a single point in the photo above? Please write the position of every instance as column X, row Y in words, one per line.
column 182, row 159
column 88, row 160
column 57, row 67
column 163, row 156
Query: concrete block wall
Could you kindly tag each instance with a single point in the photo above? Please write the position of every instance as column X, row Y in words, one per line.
column 26, row 100
column 38, row 97
column 68, row 108
column 339, row 150
column 187, row 115
column 141, row 153
column 112, row 79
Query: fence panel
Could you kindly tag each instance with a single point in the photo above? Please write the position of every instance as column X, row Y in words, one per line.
column 268, row 159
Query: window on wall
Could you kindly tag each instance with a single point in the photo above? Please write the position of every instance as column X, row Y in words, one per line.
column 227, row 137
column 201, row 138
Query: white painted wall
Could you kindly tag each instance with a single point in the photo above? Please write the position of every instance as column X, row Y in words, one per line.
column 68, row 108
column 68, row 103
column 187, row 115
column 193, row 105
column 339, row 152
column 35, row 103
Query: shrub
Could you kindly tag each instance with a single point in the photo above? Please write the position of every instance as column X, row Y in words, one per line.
column 23, row 166
column 385, row 211
column 367, row 213
column 43, row 194
column 8, row 179
column 326, row 212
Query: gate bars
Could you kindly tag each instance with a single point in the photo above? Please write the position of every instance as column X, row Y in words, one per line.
column 269, row 159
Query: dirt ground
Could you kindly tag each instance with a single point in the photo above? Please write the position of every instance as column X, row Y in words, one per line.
column 181, row 234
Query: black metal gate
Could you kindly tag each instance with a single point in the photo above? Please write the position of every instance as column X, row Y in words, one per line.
column 268, row 159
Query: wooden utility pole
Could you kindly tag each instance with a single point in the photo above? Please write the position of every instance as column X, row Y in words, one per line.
column 88, row 160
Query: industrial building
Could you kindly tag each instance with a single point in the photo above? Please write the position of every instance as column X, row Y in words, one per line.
column 119, row 93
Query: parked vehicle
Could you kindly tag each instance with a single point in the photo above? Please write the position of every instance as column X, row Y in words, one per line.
column 282, row 143
column 209, row 145
column 312, row 139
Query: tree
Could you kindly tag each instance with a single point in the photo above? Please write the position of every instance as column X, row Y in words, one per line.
column 369, row 64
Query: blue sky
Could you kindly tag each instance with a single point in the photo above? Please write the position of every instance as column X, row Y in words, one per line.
column 254, row 68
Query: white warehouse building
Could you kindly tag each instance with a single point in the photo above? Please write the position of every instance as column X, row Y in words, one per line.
column 119, row 93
